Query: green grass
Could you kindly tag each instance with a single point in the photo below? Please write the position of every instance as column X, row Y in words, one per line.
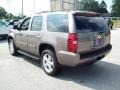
column 116, row 23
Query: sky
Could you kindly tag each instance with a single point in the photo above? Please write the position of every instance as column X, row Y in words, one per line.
column 15, row 6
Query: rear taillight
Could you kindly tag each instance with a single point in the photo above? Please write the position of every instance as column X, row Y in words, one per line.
column 72, row 42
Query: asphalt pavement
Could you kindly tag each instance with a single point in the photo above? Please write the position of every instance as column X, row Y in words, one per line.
column 25, row 73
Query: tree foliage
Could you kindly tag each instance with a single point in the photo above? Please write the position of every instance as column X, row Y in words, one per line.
column 103, row 7
column 116, row 8
column 92, row 5
column 103, row 4
column 3, row 13
column 89, row 5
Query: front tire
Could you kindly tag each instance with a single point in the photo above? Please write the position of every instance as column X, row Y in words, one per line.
column 12, row 48
column 49, row 62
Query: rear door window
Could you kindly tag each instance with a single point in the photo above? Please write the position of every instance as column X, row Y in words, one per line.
column 37, row 23
column 84, row 24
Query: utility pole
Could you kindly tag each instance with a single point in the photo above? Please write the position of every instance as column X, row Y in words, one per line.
column 22, row 9
column 34, row 6
column 8, row 1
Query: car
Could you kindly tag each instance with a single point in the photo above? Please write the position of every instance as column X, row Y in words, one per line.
column 4, row 30
column 18, row 22
column 13, row 21
column 61, row 38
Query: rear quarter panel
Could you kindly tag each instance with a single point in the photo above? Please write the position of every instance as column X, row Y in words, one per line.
column 56, row 39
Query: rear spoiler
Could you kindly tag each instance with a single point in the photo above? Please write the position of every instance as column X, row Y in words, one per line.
column 87, row 14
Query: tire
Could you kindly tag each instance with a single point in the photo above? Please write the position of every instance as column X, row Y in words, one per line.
column 49, row 62
column 12, row 48
column 111, row 27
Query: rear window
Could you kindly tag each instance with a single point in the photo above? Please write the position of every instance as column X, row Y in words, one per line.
column 84, row 24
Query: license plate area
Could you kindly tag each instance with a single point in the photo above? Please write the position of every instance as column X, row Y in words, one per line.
column 98, row 42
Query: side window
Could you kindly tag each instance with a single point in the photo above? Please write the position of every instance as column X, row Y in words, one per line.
column 37, row 23
column 25, row 24
column 57, row 23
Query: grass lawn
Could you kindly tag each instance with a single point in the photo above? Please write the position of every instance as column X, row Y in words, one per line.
column 116, row 23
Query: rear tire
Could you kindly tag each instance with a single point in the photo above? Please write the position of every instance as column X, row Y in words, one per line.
column 49, row 62
column 12, row 48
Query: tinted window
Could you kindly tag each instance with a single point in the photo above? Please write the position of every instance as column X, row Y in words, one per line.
column 37, row 23
column 57, row 23
column 90, row 23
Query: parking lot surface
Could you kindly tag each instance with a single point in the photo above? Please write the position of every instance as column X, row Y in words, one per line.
column 24, row 73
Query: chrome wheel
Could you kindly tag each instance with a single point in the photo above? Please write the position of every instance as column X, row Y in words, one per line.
column 11, row 47
column 48, row 63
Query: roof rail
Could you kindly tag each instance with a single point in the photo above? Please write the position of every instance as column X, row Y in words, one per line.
column 82, row 12
column 55, row 11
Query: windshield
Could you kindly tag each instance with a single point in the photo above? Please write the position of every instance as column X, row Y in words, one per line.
column 90, row 23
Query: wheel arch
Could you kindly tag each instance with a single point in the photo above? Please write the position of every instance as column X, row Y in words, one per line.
column 9, row 37
column 44, row 46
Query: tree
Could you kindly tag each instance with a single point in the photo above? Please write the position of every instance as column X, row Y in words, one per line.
column 116, row 8
column 3, row 13
column 103, row 7
column 9, row 16
column 89, row 5
column 103, row 4
column 92, row 5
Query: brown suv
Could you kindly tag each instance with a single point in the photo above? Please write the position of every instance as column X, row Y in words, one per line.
column 60, row 38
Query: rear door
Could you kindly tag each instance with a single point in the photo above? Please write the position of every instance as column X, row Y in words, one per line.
column 93, row 33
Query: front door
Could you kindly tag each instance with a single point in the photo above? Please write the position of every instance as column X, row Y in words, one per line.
column 21, row 35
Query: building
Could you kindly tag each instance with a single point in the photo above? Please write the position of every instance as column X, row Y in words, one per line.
column 56, row 5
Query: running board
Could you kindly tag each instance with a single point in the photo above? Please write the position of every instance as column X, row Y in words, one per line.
column 29, row 55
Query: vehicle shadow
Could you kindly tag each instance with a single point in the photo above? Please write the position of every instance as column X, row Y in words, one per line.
column 101, row 76
column 35, row 62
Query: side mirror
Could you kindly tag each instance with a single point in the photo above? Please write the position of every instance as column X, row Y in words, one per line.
column 15, row 27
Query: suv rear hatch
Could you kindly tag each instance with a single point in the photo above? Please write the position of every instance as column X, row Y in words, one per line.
column 93, row 32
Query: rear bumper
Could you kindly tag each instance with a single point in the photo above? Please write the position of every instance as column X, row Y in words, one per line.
column 74, row 59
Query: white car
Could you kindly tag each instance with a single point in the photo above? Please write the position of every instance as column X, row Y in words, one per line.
column 4, row 30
